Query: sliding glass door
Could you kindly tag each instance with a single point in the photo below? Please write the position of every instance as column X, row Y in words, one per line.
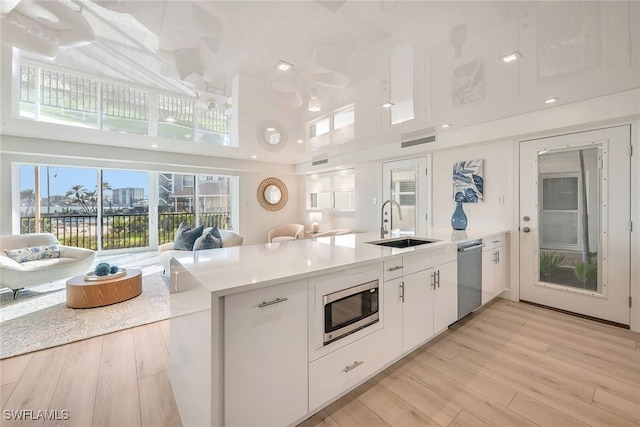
column 113, row 209
column 125, row 209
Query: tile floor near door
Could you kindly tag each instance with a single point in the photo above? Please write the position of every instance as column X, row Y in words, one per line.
column 508, row 364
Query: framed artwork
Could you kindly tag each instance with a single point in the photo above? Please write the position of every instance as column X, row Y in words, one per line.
column 468, row 182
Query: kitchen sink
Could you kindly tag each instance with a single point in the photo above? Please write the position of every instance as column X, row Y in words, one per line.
column 405, row 242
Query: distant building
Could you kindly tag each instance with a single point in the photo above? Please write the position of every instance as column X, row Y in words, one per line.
column 127, row 196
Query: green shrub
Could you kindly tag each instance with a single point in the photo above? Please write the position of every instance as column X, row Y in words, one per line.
column 550, row 263
column 585, row 272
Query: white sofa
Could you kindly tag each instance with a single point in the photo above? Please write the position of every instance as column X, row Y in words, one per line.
column 229, row 238
column 18, row 275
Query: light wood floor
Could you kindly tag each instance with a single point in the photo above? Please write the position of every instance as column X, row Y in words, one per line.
column 508, row 364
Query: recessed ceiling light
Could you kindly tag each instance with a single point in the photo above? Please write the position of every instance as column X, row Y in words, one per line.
column 388, row 104
column 513, row 56
column 283, row 65
column 300, row 141
column 315, row 105
column 154, row 145
column 551, row 100
column 445, row 125
column 254, row 157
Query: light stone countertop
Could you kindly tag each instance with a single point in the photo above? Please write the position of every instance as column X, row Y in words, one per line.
column 236, row 269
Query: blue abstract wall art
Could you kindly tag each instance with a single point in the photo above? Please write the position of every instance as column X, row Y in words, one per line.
column 468, row 184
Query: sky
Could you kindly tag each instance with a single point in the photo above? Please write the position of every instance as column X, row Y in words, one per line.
column 61, row 179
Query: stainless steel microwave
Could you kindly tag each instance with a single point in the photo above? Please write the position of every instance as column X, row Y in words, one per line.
column 350, row 310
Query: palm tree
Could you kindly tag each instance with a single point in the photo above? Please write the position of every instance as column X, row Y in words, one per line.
column 106, row 187
column 29, row 195
column 77, row 194
column 90, row 199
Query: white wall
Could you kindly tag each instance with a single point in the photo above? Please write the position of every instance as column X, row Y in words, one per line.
column 255, row 221
column 501, row 175
column 498, row 183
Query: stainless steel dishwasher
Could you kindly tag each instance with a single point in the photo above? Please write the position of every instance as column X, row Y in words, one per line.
column 469, row 277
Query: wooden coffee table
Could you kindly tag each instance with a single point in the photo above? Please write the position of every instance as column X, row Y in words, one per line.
column 89, row 294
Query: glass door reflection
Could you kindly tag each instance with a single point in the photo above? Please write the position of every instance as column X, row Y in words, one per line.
column 569, row 201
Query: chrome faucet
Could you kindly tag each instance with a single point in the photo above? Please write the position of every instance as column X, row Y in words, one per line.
column 383, row 230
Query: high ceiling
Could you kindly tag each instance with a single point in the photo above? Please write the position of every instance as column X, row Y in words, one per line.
column 340, row 49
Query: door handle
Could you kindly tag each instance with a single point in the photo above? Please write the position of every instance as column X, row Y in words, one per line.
column 526, row 229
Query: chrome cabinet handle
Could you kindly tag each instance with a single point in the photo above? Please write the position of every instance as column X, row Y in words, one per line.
column 402, row 291
column 397, row 267
column 495, row 257
column 275, row 301
column 498, row 254
column 354, row 366
column 433, row 280
column 438, row 277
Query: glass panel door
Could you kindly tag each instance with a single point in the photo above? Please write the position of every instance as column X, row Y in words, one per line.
column 575, row 209
column 570, row 197
column 125, row 209
column 175, row 204
column 405, row 182
column 214, row 201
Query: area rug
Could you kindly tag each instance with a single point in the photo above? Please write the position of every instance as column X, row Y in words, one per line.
column 40, row 319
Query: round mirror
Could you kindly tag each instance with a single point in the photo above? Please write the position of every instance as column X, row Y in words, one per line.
column 272, row 194
column 271, row 135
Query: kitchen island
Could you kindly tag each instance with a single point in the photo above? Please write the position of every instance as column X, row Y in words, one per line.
column 247, row 322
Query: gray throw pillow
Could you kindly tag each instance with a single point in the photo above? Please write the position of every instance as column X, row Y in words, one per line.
column 213, row 231
column 207, row 241
column 186, row 237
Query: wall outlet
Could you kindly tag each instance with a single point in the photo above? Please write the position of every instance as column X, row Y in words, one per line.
column 374, row 201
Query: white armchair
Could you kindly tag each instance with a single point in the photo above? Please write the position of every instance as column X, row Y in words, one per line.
column 18, row 275
column 286, row 232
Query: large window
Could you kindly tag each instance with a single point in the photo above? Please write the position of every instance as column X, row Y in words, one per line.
column 335, row 128
column 62, row 201
column 331, row 191
column 104, row 209
column 66, row 98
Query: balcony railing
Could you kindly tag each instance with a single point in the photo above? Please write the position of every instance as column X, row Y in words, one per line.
column 119, row 231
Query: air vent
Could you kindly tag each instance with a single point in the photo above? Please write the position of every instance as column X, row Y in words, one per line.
column 421, row 133
column 320, row 159
column 423, row 140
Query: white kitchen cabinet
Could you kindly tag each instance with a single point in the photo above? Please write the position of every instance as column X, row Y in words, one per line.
column 392, row 308
column 445, row 301
column 336, row 372
column 266, row 362
column 417, row 309
column 493, row 268
column 422, row 303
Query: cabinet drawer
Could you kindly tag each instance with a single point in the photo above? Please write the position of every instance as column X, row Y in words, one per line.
column 494, row 241
column 335, row 373
column 392, row 269
column 425, row 259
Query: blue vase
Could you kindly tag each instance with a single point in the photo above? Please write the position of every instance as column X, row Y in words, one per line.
column 459, row 219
